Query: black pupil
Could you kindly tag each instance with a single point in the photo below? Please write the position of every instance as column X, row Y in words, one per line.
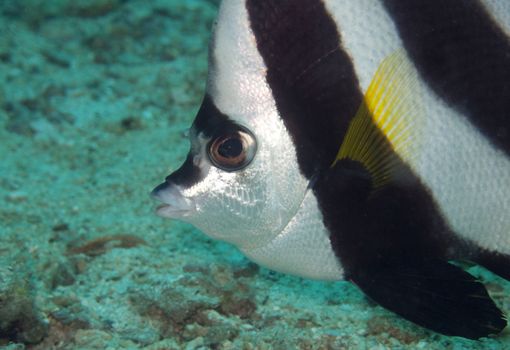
column 230, row 148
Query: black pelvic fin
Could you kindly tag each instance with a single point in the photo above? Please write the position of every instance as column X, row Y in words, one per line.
column 495, row 262
column 434, row 294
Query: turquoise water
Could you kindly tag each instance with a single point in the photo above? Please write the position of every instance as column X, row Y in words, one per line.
column 94, row 100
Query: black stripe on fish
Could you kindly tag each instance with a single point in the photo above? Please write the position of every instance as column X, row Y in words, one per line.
column 399, row 221
column 311, row 77
column 463, row 55
column 186, row 176
column 395, row 247
column 208, row 120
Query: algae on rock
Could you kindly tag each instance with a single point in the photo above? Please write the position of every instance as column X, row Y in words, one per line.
column 19, row 318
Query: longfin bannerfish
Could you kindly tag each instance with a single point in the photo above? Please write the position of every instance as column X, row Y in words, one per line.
column 365, row 140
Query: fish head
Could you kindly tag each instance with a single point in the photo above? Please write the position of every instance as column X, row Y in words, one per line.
column 240, row 182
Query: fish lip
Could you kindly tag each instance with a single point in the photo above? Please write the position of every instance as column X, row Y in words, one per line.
column 174, row 204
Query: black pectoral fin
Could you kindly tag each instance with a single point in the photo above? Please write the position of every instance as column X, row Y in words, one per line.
column 435, row 295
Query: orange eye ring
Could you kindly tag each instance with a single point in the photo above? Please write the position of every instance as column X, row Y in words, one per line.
column 232, row 151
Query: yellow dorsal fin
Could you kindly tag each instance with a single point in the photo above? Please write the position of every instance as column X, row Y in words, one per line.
column 388, row 122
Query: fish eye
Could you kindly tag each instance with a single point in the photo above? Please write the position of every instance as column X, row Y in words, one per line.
column 232, row 151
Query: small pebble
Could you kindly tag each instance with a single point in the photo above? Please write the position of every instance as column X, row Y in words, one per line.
column 16, row 197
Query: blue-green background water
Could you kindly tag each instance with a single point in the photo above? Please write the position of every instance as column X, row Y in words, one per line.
column 94, row 98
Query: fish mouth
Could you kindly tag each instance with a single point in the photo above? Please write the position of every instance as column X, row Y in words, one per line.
column 174, row 204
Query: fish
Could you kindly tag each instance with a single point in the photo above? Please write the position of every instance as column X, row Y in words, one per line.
column 360, row 140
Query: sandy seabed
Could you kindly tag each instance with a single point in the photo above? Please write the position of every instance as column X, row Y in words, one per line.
column 94, row 99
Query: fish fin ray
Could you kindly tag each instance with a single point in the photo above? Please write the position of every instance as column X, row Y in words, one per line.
column 434, row 294
column 388, row 122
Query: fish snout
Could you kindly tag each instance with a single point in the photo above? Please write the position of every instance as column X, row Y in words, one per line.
column 174, row 204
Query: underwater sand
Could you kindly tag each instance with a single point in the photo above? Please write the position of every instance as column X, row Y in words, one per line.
column 94, row 100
